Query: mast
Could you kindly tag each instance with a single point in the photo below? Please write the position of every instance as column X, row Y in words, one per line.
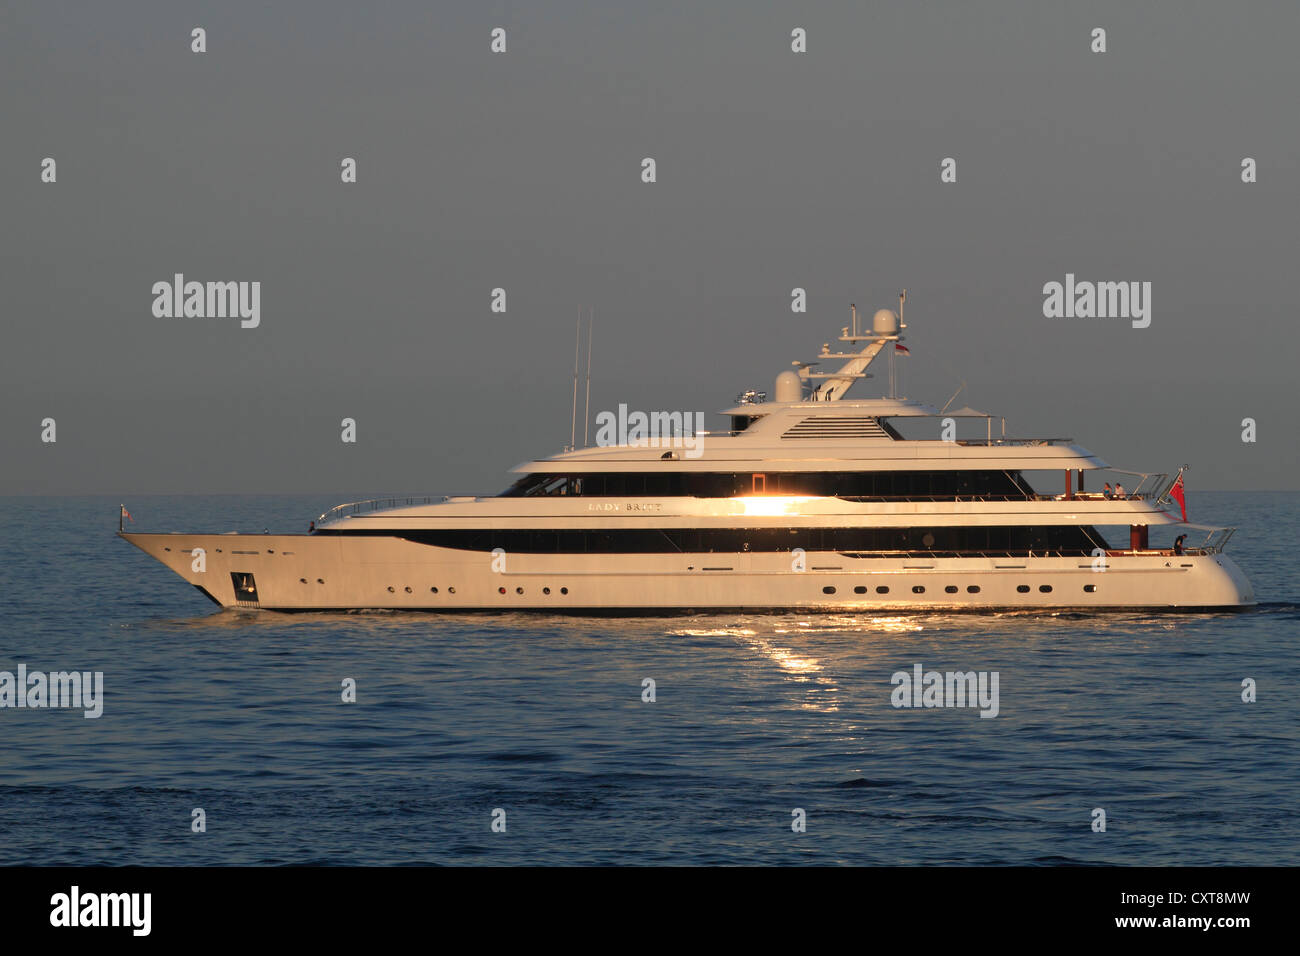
column 573, row 417
column 886, row 329
column 586, row 406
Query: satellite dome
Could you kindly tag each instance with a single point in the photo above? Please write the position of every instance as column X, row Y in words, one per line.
column 884, row 322
column 788, row 387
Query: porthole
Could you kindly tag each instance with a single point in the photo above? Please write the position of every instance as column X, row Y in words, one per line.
column 972, row 589
column 320, row 580
column 433, row 590
column 859, row 590
column 546, row 590
column 501, row 590
column 408, row 590
column 828, row 590
column 1045, row 588
column 302, row 580
column 883, row 589
column 951, row 589
column 1090, row 588
column 1023, row 588
column 451, row 590
column 519, row 590
column 564, row 590
column 918, row 589
column 390, row 589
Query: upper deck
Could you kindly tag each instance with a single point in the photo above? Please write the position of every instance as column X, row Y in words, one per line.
column 811, row 436
column 810, row 447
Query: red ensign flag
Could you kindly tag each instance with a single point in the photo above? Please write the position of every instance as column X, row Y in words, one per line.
column 1176, row 492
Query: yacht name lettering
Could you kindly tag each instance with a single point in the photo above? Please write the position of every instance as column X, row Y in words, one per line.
column 1099, row 300
column 208, row 300
column 630, row 506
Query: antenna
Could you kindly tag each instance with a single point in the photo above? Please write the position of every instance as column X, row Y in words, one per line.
column 893, row 376
column 586, row 406
column 954, row 396
column 573, row 418
column 855, row 319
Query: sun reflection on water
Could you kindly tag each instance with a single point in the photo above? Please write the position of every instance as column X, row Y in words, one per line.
column 800, row 668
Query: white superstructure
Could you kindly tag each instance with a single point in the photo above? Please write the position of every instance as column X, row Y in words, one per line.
column 811, row 501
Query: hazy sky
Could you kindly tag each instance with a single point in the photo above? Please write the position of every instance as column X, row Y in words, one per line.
column 522, row 170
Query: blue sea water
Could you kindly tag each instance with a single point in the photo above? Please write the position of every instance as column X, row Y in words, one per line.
column 240, row 713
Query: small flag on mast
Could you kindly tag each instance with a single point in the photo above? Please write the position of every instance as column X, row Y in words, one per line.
column 1176, row 492
column 123, row 513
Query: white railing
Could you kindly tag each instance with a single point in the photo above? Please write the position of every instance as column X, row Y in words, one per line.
column 353, row 508
column 1014, row 441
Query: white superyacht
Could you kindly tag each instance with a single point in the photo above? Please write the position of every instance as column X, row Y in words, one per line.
column 808, row 502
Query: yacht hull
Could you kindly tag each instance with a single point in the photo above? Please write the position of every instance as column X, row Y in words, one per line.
column 324, row 572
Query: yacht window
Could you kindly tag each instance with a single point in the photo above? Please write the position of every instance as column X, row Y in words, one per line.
column 897, row 485
column 950, row 541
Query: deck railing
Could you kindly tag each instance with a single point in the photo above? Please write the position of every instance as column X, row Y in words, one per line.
column 1213, row 544
column 353, row 508
column 1014, row 441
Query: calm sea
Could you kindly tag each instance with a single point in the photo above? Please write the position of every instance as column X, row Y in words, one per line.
column 239, row 713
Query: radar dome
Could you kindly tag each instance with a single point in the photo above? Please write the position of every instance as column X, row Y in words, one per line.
column 884, row 322
column 788, row 387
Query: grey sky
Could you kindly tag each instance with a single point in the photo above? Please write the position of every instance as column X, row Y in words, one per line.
column 522, row 170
